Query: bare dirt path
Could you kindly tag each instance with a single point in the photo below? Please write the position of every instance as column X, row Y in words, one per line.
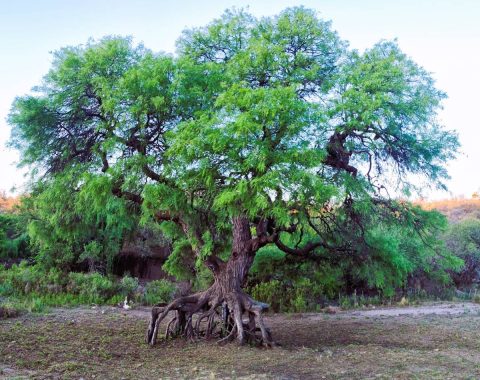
column 431, row 341
column 434, row 308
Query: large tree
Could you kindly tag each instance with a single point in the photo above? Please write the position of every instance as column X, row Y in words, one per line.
column 256, row 133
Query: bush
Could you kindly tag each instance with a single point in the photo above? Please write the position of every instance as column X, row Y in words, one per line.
column 14, row 242
column 21, row 279
column 304, row 295
column 301, row 295
column 271, row 292
column 92, row 287
column 159, row 291
column 35, row 288
column 353, row 301
column 128, row 286
column 303, row 286
column 463, row 240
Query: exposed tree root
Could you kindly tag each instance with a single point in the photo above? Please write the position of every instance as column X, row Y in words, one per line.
column 213, row 314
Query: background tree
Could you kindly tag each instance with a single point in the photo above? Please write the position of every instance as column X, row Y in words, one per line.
column 71, row 223
column 258, row 133
column 463, row 240
column 14, row 241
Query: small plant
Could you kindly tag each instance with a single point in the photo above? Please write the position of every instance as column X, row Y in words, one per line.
column 159, row 291
column 403, row 302
column 36, row 305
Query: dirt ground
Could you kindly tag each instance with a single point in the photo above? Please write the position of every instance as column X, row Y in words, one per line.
column 435, row 341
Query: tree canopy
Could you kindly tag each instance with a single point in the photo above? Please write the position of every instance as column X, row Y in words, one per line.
column 257, row 133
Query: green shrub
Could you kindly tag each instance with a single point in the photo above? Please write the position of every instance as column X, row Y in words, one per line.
column 271, row 292
column 128, row 286
column 159, row 291
column 14, row 241
column 54, row 287
column 92, row 287
column 117, row 299
column 463, row 240
column 35, row 288
column 303, row 294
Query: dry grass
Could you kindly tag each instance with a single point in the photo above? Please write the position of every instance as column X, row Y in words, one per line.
column 7, row 204
column 108, row 344
column 454, row 209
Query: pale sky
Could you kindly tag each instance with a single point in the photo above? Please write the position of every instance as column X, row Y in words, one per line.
column 443, row 36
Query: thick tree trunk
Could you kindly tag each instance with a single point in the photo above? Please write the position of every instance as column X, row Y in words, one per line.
column 222, row 306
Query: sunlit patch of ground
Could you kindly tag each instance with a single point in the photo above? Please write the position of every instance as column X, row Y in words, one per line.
column 431, row 342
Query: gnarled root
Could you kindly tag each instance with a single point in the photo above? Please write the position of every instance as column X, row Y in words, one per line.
column 209, row 314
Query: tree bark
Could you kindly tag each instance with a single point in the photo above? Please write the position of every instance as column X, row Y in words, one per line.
column 222, row 306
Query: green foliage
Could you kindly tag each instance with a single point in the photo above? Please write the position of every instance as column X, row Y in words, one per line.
column 399, row 239
column 91, row 286
column 159, row 291
column 267, row 261
column 274, row 119
column 463, row 240
column 403, row 245
column 354, row 301
column 14, row 241
column 33, row 288
column 300, row 295
column 179, row 262
column 271, row 292
column 36, row 305
column 68, row 226
column 129, row 286
column 293, row 286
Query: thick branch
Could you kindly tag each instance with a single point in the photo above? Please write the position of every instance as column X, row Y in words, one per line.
column 118, row 192
column 151, row 174
column 338, row 156
column 161, row 216
column 304, row 251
